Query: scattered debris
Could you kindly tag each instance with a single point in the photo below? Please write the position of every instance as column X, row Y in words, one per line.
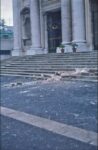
column 92, row 103
column 58, row 76
column 54, row 78
column 83, row 71
column 16, row 84
column 46, row 111
column 76, row 115
column 68, row 74
column 19, row 83
column 13, row 84
column 24, row 92
column 41, row 96
column 58, row 73
column 14, row 135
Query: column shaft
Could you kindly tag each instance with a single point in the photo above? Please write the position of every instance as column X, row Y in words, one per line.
column 78, row 20
column 35, row 23
column 66, row 21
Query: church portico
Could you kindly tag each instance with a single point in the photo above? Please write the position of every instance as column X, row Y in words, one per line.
column 43, row 25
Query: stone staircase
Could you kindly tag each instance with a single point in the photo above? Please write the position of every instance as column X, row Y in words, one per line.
column 81, row 65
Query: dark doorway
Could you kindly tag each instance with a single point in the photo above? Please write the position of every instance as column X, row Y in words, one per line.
column 54, row 30
column 94, row 7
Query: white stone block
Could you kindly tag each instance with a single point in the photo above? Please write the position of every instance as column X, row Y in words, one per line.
column 58, row 50
column 16, row 53
column 68, row 49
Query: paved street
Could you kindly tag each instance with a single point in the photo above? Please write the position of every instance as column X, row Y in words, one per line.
column 67, row 104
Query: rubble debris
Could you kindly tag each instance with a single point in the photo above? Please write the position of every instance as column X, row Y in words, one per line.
column 67, row 74
column 13, row 84
column 19, row 83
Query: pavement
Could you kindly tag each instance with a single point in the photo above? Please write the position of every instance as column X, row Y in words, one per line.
column 71, row 105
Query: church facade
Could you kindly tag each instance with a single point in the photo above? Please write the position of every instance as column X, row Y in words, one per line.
column 43, row 26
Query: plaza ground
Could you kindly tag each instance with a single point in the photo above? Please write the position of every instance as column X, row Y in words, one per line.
column 69, row 103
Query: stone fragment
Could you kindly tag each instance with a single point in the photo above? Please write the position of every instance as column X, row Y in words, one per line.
column 19, row 83
column 13, row 84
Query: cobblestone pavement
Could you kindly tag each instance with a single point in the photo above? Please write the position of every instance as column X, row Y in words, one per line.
column 72, row 103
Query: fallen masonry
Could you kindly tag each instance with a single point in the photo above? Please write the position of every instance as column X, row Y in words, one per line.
column 53, row 67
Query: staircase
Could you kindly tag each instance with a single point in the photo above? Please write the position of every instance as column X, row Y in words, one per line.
column 44, row 65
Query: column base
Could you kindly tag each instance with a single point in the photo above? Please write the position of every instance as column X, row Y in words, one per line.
column 68, row 48
column 16, row 53
column 34, row 51
column 82, row 46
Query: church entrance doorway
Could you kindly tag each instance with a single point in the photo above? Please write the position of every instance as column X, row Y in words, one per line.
column 94, row 7
column 54, row 30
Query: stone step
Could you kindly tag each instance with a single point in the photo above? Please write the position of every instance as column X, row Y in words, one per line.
column 59, row 57
column 85, row 54
column 61, row 54
column 41, row 70
column 51, row 61
column 92, row 72
column 51, row 64
column 49, row 67
column 83, row 79
column 38, row 74
column 71, row 68
column 29, row 72
column 58, row 54
column 46, row 76
column 82, row 76
column 55, row 61
column 39, row 77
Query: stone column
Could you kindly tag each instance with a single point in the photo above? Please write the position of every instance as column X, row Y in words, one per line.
column 35, row 27
column 78, row 24
column 16, row 22
column 66, row 21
